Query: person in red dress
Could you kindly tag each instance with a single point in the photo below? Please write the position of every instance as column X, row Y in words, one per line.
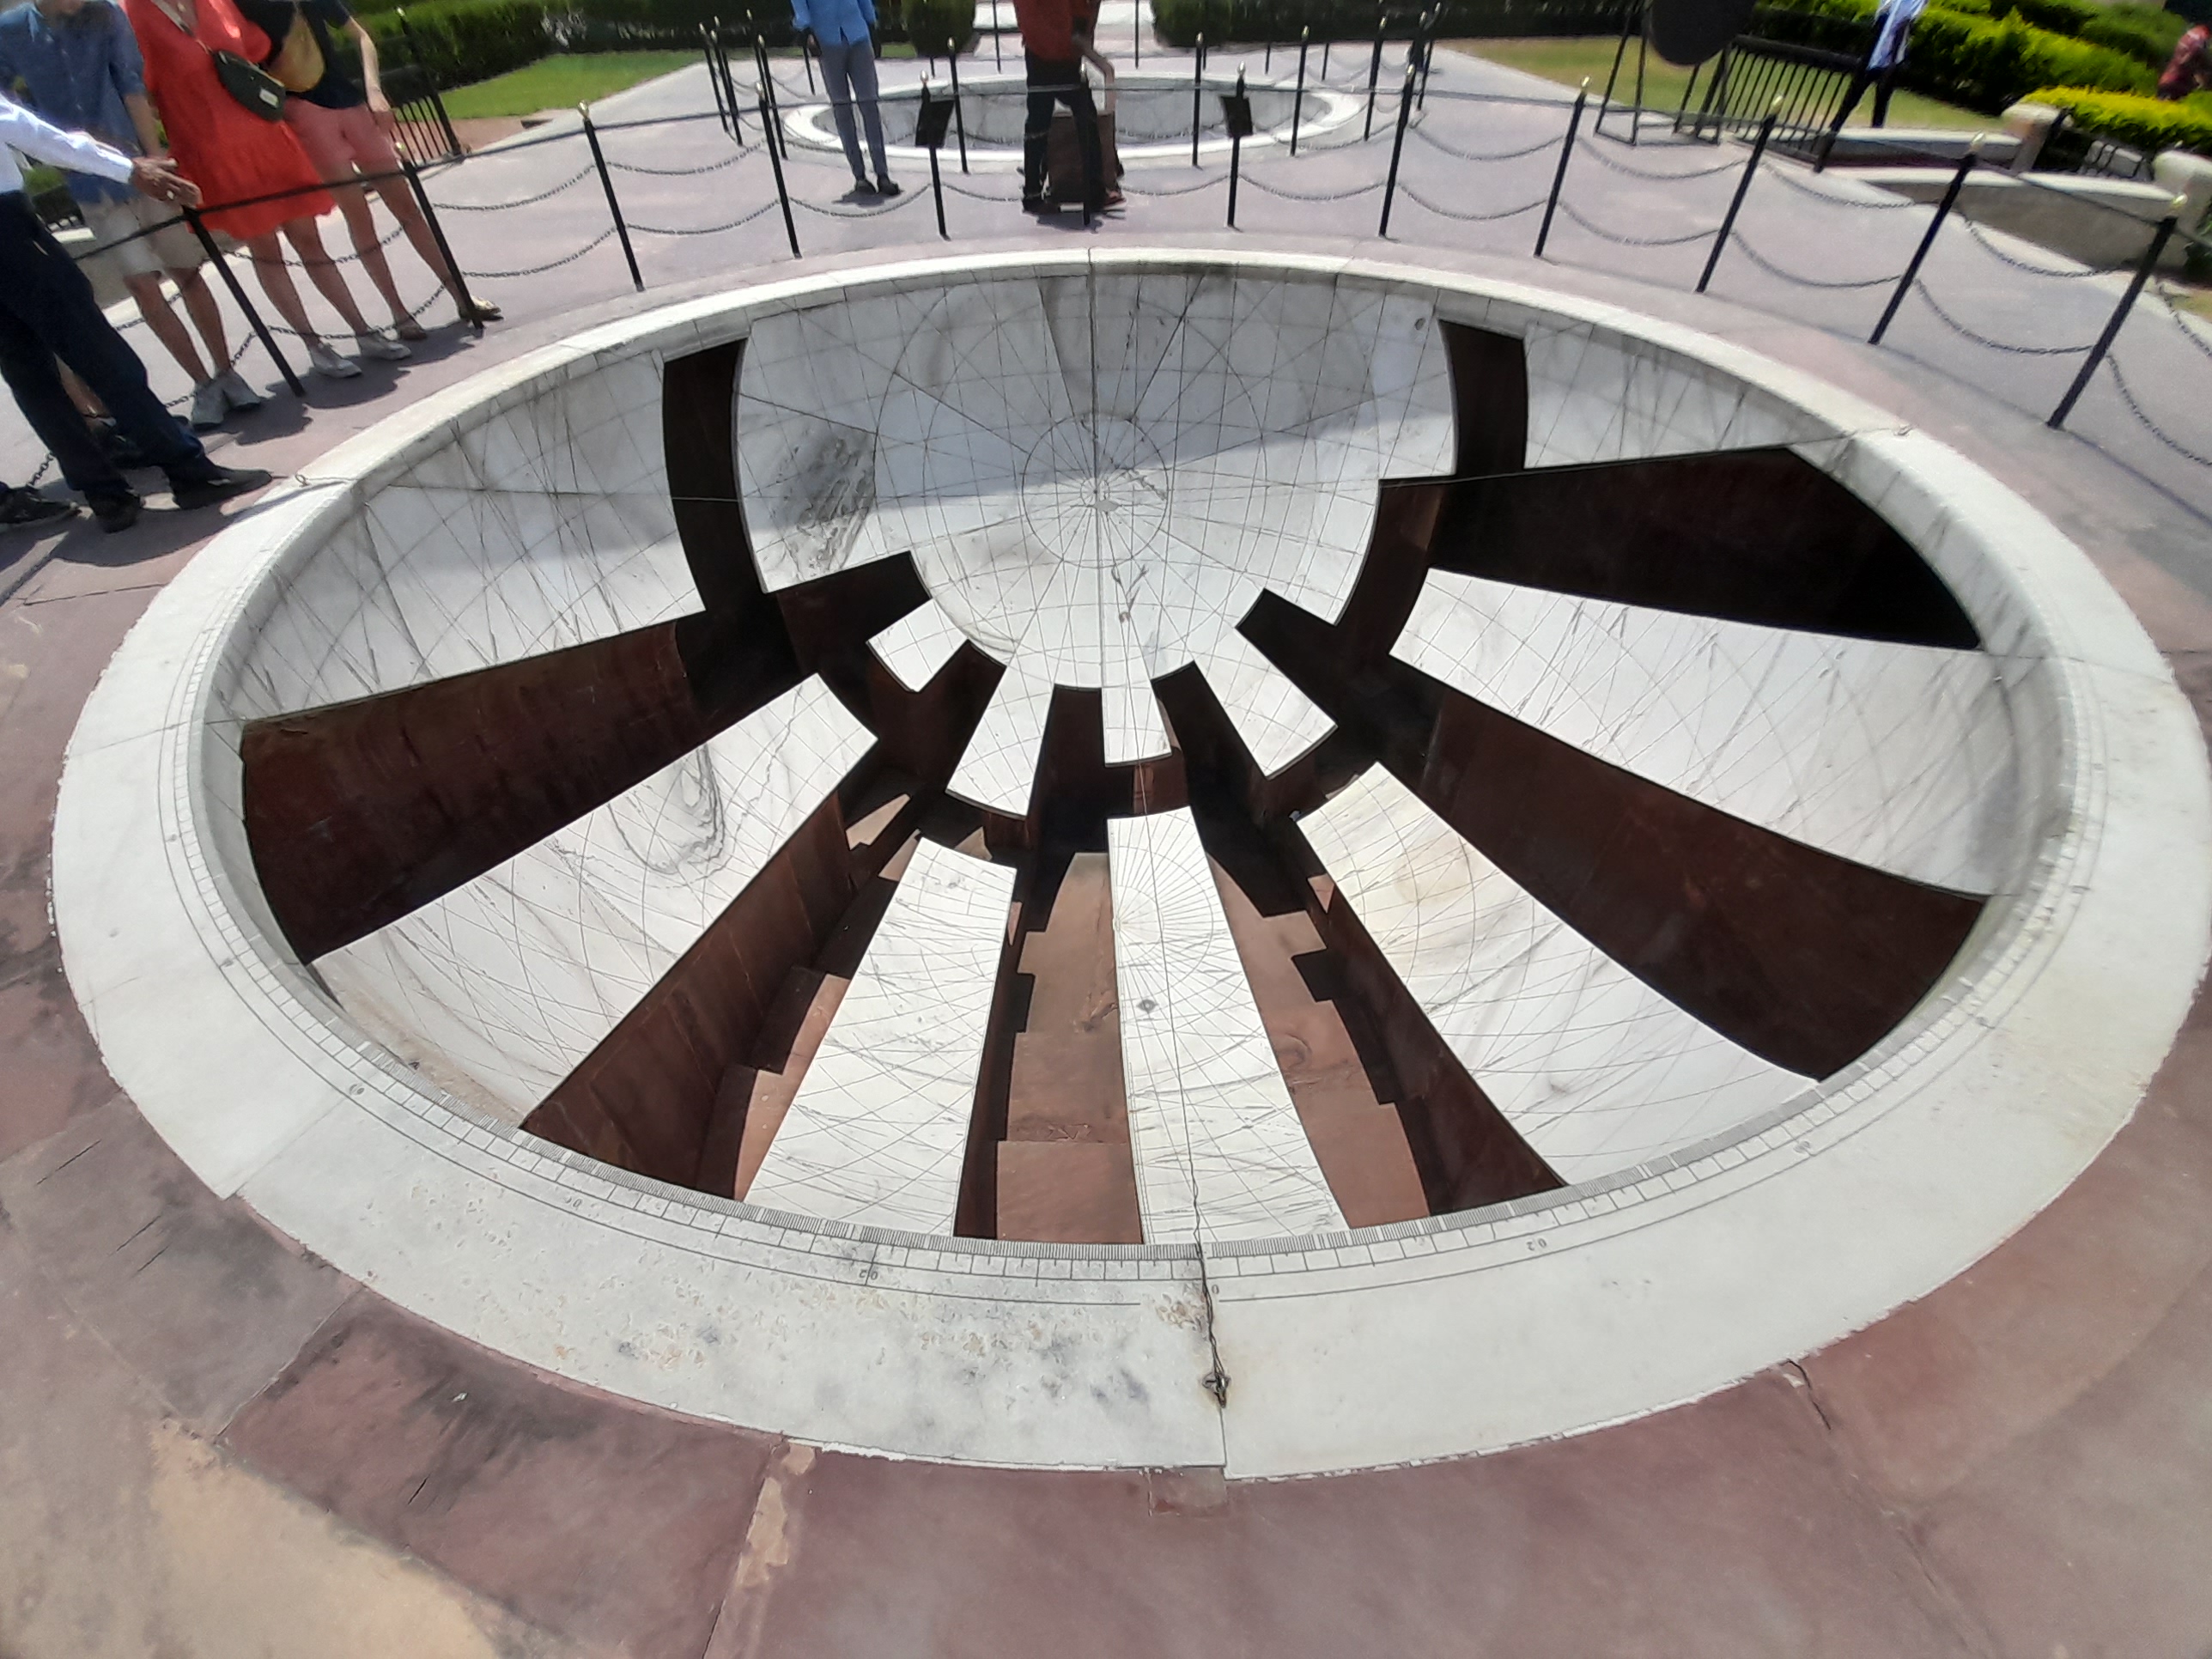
column 231, row 154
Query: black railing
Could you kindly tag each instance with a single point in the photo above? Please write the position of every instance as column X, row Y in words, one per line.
column 1802, row 87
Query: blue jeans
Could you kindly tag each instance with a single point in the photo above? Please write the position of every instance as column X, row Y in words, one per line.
column 47, row 310
column 848, row 70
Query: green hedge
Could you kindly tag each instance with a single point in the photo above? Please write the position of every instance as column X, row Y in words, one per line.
column 458, row 41
column 1985, row 63
column 939, row 27
column 2149, row 124
column 2146, row 33
column 1225, row 22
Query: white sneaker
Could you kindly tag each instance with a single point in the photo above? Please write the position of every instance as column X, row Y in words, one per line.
column 327, row 362
column 378, row 346
column 237, row 391
column 209, row 404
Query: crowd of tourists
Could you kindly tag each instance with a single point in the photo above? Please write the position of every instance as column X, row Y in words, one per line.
column 148, row 107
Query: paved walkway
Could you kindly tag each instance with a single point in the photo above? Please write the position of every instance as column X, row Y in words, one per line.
column 210, row 1445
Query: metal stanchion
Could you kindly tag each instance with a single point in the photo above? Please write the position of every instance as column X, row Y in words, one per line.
column 466, row 300
column 1397, row 148
column 1919, row 254
column 238, row 292
column 1137, row 35
column 1373, row 75
column 1425, row 33
column 929, row 124
column 1298, row 98
column 771, row 112
column 1735, row 202
column 775, row 161
column 607, row 184
column 1325, row 45
column 1559, row 178
column 959, row 120
column 1197, row 94
column 806, row 57
column 720, row 56
column 2158, row 242
column 1237, row 116
column 714, row 79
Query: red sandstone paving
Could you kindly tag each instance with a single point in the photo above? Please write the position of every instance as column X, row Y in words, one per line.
column 205, row 1302
column 604, row 1521
column 1727, row 1528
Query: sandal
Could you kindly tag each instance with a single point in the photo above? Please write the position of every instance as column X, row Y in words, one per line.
column 482, row 311
column 407, row 329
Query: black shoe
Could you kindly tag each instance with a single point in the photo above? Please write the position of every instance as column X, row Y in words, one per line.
column 862, row 186
column 217, row 483
column 115, row 512
column 20, row 506
column 1034, row 205
column 884, row 186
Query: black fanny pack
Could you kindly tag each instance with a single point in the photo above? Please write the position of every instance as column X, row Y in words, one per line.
column 250, row 85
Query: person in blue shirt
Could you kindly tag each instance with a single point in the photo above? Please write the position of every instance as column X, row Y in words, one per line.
column 843, row 33
column 78, row 66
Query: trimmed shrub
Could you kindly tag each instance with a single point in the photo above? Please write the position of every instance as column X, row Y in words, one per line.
column 458, row 41
column 1228, row 21
column 939, row 27
column 2149, row 124
column 1984, row 64
column 2146, row 33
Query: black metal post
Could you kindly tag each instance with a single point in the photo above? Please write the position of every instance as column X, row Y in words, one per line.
column 1397, row 146
column 937, row 189
column 466, row 300
column 2158, row 242
column 998, row 50
column 960, row 121
column 1137, row 36
column 1735, row 202
column 1326, row 44
column 1267, row 55
column 1197, row 93
column 1373, row 75
column 607, row 184
column 806, row 57
column 1559, row 178
column 775, row 161
column 1628, row 16
column 1235, row 152
column 1426, row 33
column 1912, row 268
column 1298, row 98
column 714, row 79
column 771, row 112
column 237, row 293
column 729, row 85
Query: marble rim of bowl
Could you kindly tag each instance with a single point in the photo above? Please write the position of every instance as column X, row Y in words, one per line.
column 145, row 777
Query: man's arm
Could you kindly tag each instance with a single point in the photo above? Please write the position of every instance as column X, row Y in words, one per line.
column 802, row 20
column 142, row 122
column 24, row 131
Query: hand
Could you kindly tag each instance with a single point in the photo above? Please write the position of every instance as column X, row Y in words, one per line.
column 157, row 177
column 380, row 110
column 810, row 41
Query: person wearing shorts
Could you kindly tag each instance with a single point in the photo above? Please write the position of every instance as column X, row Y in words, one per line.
column 79, row 64
column 344, row 123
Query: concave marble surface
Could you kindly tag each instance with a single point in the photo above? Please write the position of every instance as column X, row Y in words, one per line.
column 1097, row 475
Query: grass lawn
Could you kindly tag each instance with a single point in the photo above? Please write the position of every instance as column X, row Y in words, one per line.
column 561, row 83
column 1567, row 59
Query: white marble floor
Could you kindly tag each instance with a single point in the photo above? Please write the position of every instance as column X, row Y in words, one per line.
column 877, row 1131
column 1220, row 1151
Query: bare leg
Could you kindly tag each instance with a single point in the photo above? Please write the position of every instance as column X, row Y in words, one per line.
column 308, row 241
column 361, row 225
column 400, row 201
column 276, row 282
column 168, row 327
column 207, row 316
